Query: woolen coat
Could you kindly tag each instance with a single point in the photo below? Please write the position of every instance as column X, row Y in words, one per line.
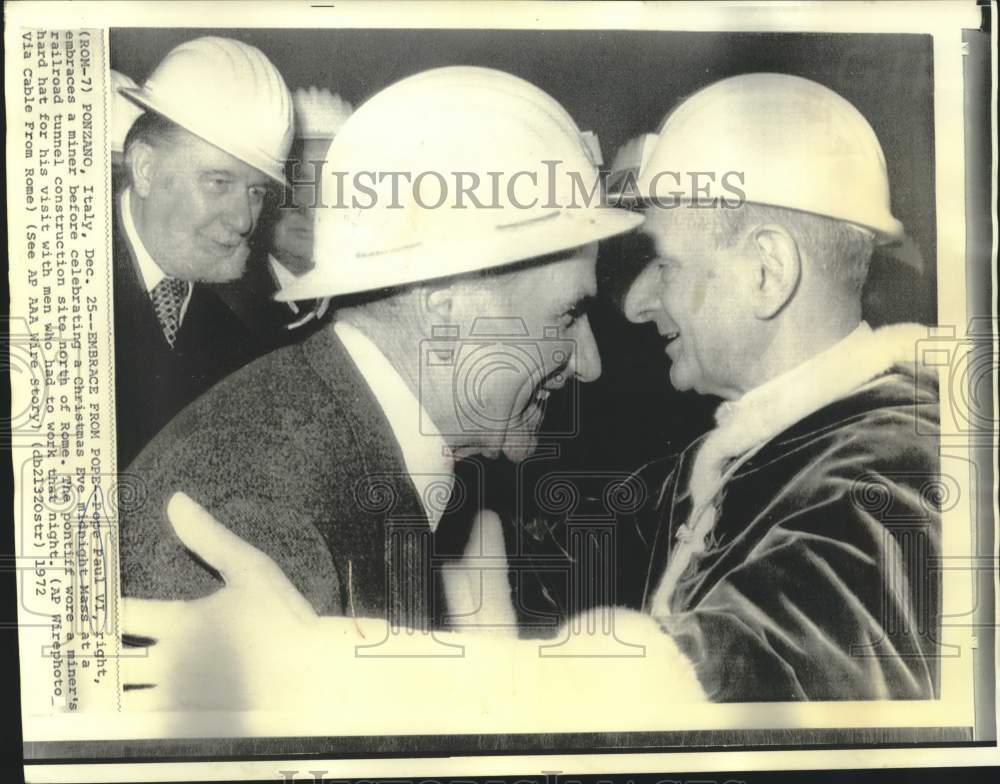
column 294, row 454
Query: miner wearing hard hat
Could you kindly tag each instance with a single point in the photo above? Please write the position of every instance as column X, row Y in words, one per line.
column 459, row 304
column 283, row 246
column 213, row 131
column 777, row 560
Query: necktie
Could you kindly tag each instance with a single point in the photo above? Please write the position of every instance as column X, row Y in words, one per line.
column 168, row 298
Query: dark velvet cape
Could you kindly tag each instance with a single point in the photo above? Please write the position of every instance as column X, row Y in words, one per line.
column 818, row 581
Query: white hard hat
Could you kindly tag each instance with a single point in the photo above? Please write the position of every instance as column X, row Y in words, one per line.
column 229, row 94
column 431, row 126
column 123, row 111
column 797, row 144
column 319, row 114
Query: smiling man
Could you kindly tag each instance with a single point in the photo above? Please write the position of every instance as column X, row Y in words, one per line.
column 452, row 326
column 790, row 548
column 199, row 163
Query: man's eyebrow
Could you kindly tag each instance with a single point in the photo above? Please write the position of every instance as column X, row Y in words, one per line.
column 261, row 182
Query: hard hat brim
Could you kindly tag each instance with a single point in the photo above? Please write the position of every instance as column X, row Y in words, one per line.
column 508, row 244
column 273, row 169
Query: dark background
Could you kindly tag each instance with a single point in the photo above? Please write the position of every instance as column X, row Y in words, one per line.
column 619, row 84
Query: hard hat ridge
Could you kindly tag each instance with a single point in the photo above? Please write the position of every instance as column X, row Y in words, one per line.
column 402, row 160
column 123, row 111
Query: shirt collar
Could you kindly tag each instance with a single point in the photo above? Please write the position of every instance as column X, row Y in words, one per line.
column 148, row 268
column 425, row 453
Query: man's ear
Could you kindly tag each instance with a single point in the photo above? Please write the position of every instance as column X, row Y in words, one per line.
column 438, row 302
column 777, row 269
column 141, row 162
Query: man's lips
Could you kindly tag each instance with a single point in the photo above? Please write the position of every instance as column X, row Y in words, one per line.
column 670, row 341
column 227, row 246
column 542, row 393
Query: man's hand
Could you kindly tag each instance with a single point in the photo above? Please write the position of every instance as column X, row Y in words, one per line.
column 254, row 642
column 258, row 644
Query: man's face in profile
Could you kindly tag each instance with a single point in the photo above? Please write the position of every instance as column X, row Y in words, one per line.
column 541, row 340
column 691, row 291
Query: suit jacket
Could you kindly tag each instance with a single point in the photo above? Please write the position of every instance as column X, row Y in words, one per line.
column 294, row 454
column 816, row 583
column 154, row 382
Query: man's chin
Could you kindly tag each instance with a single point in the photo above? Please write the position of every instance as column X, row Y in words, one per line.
column 520, row 449
column 680, row 381
column 478, row 450
column 226, row 269
column 516, row 446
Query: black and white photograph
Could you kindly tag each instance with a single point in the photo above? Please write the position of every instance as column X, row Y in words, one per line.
column 467, row 387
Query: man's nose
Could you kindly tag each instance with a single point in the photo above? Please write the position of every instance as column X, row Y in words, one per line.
column 586, row 362
column 642, row 300
column 241, row 214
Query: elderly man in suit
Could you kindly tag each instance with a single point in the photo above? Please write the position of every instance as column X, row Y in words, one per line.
column 452, row 328
column 199, row 162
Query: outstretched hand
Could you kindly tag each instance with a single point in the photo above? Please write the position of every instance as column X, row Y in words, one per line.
column 254, row 642
column 258, row 644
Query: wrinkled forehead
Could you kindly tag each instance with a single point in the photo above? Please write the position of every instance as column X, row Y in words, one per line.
column 679, row 230
column 573, row 274
column 202, row 156
column 566, row 277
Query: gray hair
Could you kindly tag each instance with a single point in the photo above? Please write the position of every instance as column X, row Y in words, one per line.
column 842, row 251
